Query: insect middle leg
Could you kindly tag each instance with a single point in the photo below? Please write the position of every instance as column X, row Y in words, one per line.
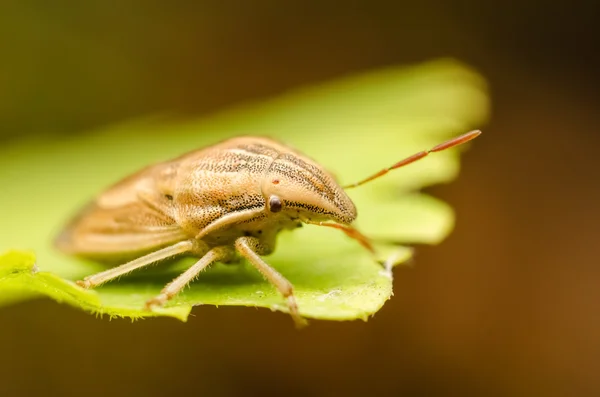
column 222, row 253
column 250, row 248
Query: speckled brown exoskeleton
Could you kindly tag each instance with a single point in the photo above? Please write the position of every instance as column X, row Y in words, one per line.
column 220, row 203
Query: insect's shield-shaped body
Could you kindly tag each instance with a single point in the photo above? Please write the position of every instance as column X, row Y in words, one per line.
column 243, row 186
column 226, row 201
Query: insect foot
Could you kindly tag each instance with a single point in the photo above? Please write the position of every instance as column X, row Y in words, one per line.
column 159, row 301
column 84, row 283
column 299, row 321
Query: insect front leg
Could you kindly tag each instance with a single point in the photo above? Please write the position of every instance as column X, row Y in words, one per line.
column 250, row 248
column 167, row 252
column 222, row 253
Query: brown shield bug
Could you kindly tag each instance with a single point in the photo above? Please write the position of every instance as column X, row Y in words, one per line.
column 220, row 203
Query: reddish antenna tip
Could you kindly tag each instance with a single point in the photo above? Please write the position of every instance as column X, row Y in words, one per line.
column 459, row 140
column 472, row 134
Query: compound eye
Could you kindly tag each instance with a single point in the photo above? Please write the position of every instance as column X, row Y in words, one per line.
column 274, row 204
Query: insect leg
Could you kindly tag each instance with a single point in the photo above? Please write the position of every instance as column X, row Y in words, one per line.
column 179, row 283
column 107, row 275
column 248, row 248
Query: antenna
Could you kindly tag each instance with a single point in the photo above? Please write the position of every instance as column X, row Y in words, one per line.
column 459, row 140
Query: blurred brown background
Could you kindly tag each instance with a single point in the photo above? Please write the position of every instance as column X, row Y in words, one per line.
column 509, row 305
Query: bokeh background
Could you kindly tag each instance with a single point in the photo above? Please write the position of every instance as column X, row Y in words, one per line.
column 508, row 305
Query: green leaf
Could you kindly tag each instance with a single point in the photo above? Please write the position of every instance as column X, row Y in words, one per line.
column 353, row 126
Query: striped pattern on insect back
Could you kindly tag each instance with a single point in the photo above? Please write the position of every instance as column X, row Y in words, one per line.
column 224, row 181
column 234, row 161
column 311, row 178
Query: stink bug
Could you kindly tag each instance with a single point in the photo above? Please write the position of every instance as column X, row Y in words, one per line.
column 221, row 203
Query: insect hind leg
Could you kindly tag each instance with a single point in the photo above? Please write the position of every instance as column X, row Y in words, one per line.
column 146, row 260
